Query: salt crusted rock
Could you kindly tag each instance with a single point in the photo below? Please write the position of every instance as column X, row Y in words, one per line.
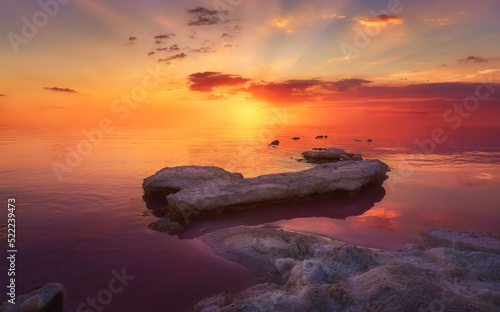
column 331, row 154
column 209, row 190
column 460, row 240
column 333, row 276
column 172, row 179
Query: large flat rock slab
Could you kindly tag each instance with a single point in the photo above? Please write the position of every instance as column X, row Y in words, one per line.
column 216, row 189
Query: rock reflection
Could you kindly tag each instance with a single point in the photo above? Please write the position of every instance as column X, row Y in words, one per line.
column 335, row 206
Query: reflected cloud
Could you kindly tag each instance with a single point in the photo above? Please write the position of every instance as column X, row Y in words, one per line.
column 381, row 218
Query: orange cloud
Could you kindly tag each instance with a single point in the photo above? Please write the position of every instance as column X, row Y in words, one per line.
column 280, row 22
column 382, row 20
column 438, row 21
column 331, row 16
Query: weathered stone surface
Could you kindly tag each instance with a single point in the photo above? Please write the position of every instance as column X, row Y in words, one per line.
column 326, row 275
column 172, row 179
column 329, row 154
column 460, row 240
column 49, row 298
column 209, row 196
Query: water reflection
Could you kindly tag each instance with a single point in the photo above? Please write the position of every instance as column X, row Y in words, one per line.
column 334, row 206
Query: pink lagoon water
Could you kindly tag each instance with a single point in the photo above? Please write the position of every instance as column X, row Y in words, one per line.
column 78, row 230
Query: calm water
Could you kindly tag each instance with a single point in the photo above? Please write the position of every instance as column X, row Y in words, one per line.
column 77, row 230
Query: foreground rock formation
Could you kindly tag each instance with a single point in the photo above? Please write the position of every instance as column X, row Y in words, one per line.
column 449, row 271
column 196, row 191
column 49, row 298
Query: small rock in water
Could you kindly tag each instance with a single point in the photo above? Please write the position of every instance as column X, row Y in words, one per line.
column 331, row 154
column 166, row 225
column 320, row 137
column 275, row 142
column 369, row 140
column 295, row 138
column 355, row 156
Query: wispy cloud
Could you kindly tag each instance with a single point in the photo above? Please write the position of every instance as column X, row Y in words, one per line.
column 203, row 50
column 169, row 60
column 332, row 16
column 201, row 16
column 207, row 81
column 438, row 21
column 57, row 89
column 164, row 36
column 478, row 59
column 172, row 48
column 382, row 20
column 131, row 40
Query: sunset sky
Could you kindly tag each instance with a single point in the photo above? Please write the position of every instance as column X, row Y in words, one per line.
column 234, row 62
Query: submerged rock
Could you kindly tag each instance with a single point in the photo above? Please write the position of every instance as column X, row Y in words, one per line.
column 226, row 190
column 166, row 225
column 326, row 275
column 296, row 138
column 49, row 298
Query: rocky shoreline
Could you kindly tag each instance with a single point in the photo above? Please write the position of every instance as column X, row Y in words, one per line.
column 449, row 271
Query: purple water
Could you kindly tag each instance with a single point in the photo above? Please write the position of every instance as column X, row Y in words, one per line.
column 77, row 231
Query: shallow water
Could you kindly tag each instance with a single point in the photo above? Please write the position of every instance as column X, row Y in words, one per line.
column 77, row 230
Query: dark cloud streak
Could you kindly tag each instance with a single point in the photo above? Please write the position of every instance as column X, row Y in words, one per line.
column 169, row 60
column 57, row 89
column 204, row 17
column 206, row 81
column 477, row 59
column 164, row 36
